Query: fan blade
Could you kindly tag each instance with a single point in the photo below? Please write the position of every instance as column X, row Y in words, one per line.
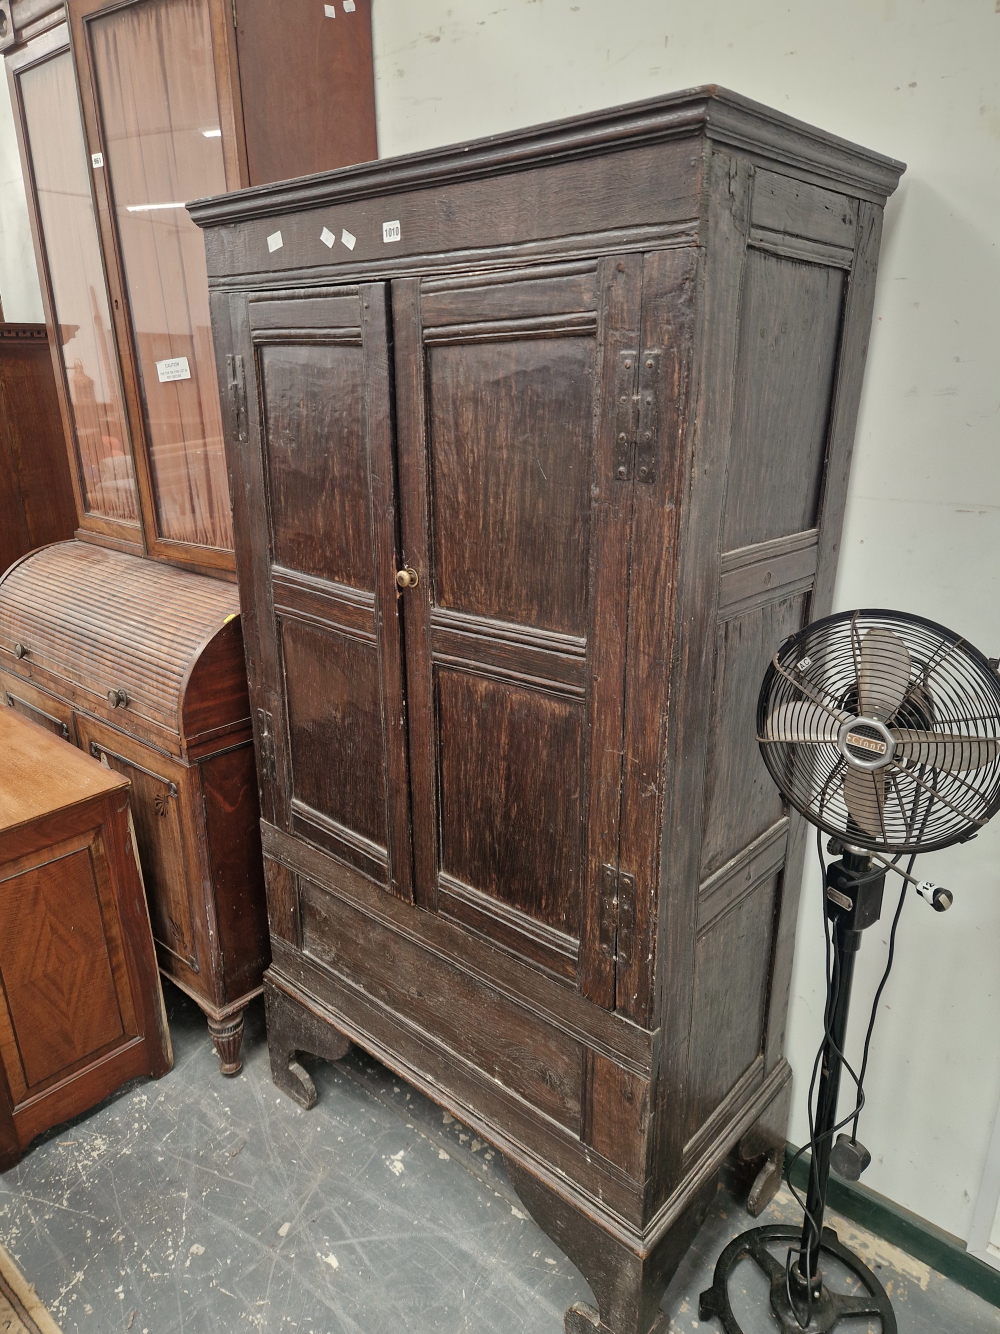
column 864, row 796
column 802, row 721
column 884, row 674
column 944, row 751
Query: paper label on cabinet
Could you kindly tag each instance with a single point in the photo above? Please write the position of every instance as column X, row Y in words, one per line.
column 349, row 239
column 391, row 231
column 327, row 237
column 97, row 160
column 330, row 11
column 348, row 6
column 274, row 242
column 174, row 368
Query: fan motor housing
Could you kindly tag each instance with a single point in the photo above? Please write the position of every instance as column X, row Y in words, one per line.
column 865, row 743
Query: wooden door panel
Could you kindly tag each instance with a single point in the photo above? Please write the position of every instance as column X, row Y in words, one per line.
column 510, row 506
column 322, row 415
column 335, row 733
column 507, row 828
column 55, row 965
column 512, row 426
column 312, row 399
column 155, row 796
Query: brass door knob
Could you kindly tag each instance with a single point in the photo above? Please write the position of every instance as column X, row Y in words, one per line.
column 20, row 651
column 407, row 578
column 118, row 699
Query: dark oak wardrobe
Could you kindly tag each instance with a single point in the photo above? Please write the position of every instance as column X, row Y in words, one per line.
column 126, row 109
column 539, row 449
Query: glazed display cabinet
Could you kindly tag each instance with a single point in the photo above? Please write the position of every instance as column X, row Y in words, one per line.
column 126, row 112
column 529, row 484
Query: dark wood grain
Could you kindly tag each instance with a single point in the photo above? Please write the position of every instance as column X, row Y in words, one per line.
column 606, row 493
column 789, row 331
column 509, row 426
column 232, row 823
column 317, row 480
column 36, row 495
column 741, row 800
column 507, row 831
column 730, row 991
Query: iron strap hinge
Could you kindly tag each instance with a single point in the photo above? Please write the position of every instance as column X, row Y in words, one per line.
column 636, row 427
column 237, row 397
column 617, row 916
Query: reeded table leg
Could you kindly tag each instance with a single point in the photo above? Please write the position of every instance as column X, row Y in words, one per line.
column 227, row 1034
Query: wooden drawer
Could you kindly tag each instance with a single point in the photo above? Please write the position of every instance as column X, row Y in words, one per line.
column 38, row 706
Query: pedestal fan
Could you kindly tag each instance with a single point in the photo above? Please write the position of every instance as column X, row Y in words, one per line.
column 883, row 730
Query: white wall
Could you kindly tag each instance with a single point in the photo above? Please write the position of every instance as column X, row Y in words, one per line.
column 921, row 82
column 19, row 291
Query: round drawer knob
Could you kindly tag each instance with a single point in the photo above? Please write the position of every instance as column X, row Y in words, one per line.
column 407, row 578
column 20, row 651
column 117, row 699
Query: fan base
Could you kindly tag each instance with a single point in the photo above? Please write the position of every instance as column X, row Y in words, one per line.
column 828, row 1308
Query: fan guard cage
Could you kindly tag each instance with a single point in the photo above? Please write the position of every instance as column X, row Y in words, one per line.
column 865, row 684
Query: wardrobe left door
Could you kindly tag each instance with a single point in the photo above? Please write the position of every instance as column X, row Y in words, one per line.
column 312, row 456
column 78, row 303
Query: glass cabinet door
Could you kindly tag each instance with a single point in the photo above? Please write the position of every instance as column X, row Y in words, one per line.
column 156, row 95
column 60, row 175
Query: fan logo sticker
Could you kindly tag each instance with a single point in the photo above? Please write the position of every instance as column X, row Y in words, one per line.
column 866, row 743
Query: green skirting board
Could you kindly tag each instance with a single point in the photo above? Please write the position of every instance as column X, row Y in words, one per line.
column 922, row 1240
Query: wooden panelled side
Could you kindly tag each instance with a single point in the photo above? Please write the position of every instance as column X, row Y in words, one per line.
column 790, row 317
column 232, row 818
column 741, row 800
column 732, row 965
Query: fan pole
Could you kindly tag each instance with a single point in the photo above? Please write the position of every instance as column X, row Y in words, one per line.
column 853, row 898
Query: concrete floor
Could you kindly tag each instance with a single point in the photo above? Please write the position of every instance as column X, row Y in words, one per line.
column 201, row 1204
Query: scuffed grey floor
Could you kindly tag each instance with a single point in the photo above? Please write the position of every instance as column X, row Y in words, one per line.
column 200, row 1204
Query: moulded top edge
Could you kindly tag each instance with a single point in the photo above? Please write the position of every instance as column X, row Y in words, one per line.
column 712, row 111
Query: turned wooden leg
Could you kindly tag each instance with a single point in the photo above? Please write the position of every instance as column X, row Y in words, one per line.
column 293, row 1028
column 227, row 1034
column 628, row 1278
column 760, row 1154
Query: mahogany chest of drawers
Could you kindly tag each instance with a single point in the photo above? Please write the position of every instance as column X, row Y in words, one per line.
column 142, row 666
column 81, row 1010
column 539, row 449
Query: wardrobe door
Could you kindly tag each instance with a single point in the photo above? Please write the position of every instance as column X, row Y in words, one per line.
column 325, row 616
column 516, row 503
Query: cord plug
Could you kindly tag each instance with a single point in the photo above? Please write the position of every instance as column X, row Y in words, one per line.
column 849, row 1158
